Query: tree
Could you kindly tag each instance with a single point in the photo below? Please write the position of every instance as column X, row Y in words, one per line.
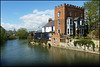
column 22, row 33
column 10, row 32
column 3, row 35
column 93, row 12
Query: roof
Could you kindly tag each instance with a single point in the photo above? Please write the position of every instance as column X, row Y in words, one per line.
column 49, row 24
column 76, row 18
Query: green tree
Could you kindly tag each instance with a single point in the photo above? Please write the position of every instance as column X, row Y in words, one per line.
column 30, row 38
column 3, row 35
column 22, row 33
column 93, row 12
column 10, row 32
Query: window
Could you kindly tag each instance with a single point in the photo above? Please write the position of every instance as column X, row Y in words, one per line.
column 68, row 31
column 71, row 21
column 44, row 29
column 71, row 31
column 82, row 23
column 58, row 22
column 52, row 28
column 67, row 21
column 53, row 40
column 58, row 30
column 80, row 15
column 59, row 14
column 69, row 13
column 56, row 39
column 76, row 24
column 75, row 14
column 82, row 31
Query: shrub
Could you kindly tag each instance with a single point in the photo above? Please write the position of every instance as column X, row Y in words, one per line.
column 85, row 42
column 40, row 41
column 11, row 37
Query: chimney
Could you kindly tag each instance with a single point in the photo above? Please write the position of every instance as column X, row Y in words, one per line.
column 49, row 20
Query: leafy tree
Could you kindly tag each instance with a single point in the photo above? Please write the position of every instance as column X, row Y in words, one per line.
column 22, row 33
column 3, row 35
column 10, row 32
column 30, row 38
column 93, row 12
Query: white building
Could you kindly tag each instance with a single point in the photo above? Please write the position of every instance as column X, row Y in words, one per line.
column 49, row 27
column 75, row 26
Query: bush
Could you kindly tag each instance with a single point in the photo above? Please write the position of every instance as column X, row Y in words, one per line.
column 11, row 37
column 85, row 42
column 22, row 33
column 40, row 41
column 86, row 37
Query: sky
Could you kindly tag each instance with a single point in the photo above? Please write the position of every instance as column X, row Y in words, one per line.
column 32, row 15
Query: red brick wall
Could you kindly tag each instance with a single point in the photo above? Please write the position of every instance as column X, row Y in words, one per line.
column 64, row 14
column 55, row 36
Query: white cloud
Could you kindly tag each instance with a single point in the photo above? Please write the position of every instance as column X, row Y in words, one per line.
column 32, row 21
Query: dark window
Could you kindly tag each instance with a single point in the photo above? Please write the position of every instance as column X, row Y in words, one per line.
column 71, row 21
column 68, row 31
column 58, row 22
column 69, row 13
column 59, row 14
column 82, row 22
column 71, row 31
column 52, row 28
column 58, row 30
column 75, row 14
column 80, row 15
column 44, row 29
column 67, row 21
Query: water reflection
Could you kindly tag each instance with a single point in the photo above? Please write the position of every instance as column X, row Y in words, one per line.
column 20, row 53
column 69, row 57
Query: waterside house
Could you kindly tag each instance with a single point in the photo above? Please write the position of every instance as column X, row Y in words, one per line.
column 69, row 21
column 49, row 27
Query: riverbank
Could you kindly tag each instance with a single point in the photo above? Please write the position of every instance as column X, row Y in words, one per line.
column 76, row 49
column 66, row 46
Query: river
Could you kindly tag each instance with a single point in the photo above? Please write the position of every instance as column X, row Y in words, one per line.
column 20, row 53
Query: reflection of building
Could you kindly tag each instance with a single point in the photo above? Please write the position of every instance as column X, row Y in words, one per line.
column 69, row 20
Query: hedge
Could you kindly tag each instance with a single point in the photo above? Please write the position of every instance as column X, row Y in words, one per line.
column 85, row 42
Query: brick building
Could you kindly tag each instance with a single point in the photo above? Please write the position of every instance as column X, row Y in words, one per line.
column 69, row 20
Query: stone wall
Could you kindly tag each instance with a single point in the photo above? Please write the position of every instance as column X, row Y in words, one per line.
column 70, row 45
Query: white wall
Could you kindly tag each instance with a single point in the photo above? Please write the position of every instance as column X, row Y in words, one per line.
column 53, row 28
column 48, row 29
column 68, row 26
column 43, row 29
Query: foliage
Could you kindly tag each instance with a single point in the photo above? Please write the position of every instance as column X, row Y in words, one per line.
column 93, row 12
column 86, row 37
column 10, row 32
column 22, row 33
column 52, row 32
column 96, row 32
column 30, row 38
column 40, row 41
column 85, row 42
column 3, row 35
column 11, row 37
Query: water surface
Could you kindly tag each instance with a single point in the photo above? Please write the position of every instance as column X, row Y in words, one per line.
column 20, row 53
